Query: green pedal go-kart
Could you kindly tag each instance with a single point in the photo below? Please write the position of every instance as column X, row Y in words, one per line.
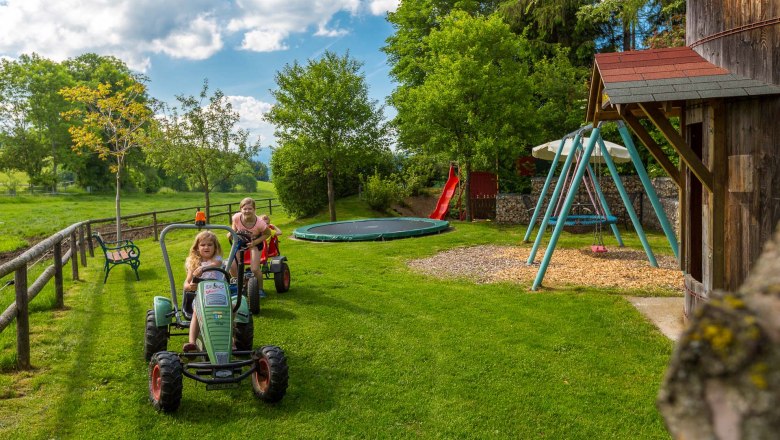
column 225, row 355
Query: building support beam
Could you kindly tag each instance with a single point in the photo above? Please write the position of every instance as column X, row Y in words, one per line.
column 679, row 144
column 718, row 160
column 652, row 147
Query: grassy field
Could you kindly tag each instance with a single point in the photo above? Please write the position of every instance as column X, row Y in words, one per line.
column 26, row 217
column 375, row 351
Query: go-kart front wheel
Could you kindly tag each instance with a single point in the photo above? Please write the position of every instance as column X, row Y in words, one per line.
column 155, row 338
column 253, row 295
column 282, row 279
column 269, row 381
column 165, row 381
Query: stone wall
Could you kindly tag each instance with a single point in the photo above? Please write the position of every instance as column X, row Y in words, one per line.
column 518, row 208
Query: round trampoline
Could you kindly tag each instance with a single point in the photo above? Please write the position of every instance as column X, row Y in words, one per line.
column 371, row 229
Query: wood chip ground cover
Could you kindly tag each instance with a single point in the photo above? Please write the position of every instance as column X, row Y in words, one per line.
column 617, row 268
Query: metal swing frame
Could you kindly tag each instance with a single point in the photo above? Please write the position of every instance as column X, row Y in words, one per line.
column 579, row 171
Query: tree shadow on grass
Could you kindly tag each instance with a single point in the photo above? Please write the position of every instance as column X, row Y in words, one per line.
column 85, row 346
column 309, row 296
column 310, row 391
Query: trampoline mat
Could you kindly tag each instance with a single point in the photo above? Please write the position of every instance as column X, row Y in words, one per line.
column 371, row 229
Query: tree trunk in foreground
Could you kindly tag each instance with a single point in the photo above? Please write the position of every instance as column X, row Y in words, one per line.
column 331, row 197
column 118, row 210
column 723, row 381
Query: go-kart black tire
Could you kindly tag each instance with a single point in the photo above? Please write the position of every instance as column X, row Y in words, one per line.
column 269, row 381
column 245, row 335
column 253, row 295
column 282, row 279
column 155, row 338
column 165, row 381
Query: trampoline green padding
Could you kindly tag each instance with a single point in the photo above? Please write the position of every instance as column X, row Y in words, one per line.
column 371, row 229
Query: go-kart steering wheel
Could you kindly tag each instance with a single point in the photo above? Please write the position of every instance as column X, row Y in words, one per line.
column 244, row 238
column 227, row 277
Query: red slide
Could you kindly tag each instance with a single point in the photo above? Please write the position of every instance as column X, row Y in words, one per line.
column 443, row 205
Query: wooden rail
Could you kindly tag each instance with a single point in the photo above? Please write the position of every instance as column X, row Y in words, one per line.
column 26, row 293
column 80, row 236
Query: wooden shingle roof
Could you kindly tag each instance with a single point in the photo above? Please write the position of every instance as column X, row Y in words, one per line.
column 671, row 74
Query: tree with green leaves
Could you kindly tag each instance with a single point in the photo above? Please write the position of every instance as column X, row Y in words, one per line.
column 201, row 141
column 548, row 24
column 475, row 100
column 114, row 119
column 413, row 21
column 90, row 69
column 34, row 135
column 44, row 80
column 324, row 112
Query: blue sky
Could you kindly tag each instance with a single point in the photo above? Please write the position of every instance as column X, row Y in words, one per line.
column 239, row 45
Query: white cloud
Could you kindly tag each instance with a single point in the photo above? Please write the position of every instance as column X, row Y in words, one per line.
column 129, row 29
column 380, row 7
column 134, row 30
column 267, row 23
column 323, row 31
column 252, row 111
column 199, row 40
column 264, row 40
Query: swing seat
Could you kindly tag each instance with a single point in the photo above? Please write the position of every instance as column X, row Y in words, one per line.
column 598, row 248
column 585, row 220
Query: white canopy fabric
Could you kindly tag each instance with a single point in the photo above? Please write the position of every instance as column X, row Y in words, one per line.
column 547, row 151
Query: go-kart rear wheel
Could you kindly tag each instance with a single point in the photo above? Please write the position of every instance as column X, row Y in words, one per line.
column 253, row 295
column 282, row 279
column 165, row 381
column 155, row 338
column 245, row 335
column 269, row 381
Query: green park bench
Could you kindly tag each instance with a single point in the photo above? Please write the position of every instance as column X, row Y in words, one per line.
column 119, row 252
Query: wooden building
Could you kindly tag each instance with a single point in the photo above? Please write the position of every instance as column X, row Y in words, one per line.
column 724, row 87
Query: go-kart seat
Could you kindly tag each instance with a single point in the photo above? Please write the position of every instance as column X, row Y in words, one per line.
column 186, row 303
column 270, row 249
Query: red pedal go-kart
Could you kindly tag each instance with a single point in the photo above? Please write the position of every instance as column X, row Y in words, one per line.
column 273, row 265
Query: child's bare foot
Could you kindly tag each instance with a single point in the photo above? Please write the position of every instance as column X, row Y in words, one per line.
column 189, row 347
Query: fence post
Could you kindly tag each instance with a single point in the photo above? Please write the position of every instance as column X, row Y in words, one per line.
column 22, row 320
column 154, row 224
column 89, row 239
column 58, row 290
column 74, row 261
column 82, row 247
column 270, row 209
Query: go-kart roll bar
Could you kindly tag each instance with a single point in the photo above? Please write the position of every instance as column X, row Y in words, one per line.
column 233, row 250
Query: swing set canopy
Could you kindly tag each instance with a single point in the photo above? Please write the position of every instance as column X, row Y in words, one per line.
column 547, row 151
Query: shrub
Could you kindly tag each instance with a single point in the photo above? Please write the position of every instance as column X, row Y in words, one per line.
column 166, row 190
column 300, row 189
column 380, row 193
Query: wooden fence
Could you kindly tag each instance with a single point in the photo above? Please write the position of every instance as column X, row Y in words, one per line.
column 79, row 235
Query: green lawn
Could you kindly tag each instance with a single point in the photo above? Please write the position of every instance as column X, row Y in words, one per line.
column 375, row 351
column 24, row 217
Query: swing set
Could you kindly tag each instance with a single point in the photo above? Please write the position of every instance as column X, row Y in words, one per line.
column 576, row 170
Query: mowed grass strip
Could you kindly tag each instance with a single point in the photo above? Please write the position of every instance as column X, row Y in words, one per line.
column 375, row 351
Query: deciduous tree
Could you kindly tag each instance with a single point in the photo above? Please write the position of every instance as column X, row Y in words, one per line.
column 323, row 110
column 34, row 135
column 201, row 141
column 475, row 100
column 113, row 121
